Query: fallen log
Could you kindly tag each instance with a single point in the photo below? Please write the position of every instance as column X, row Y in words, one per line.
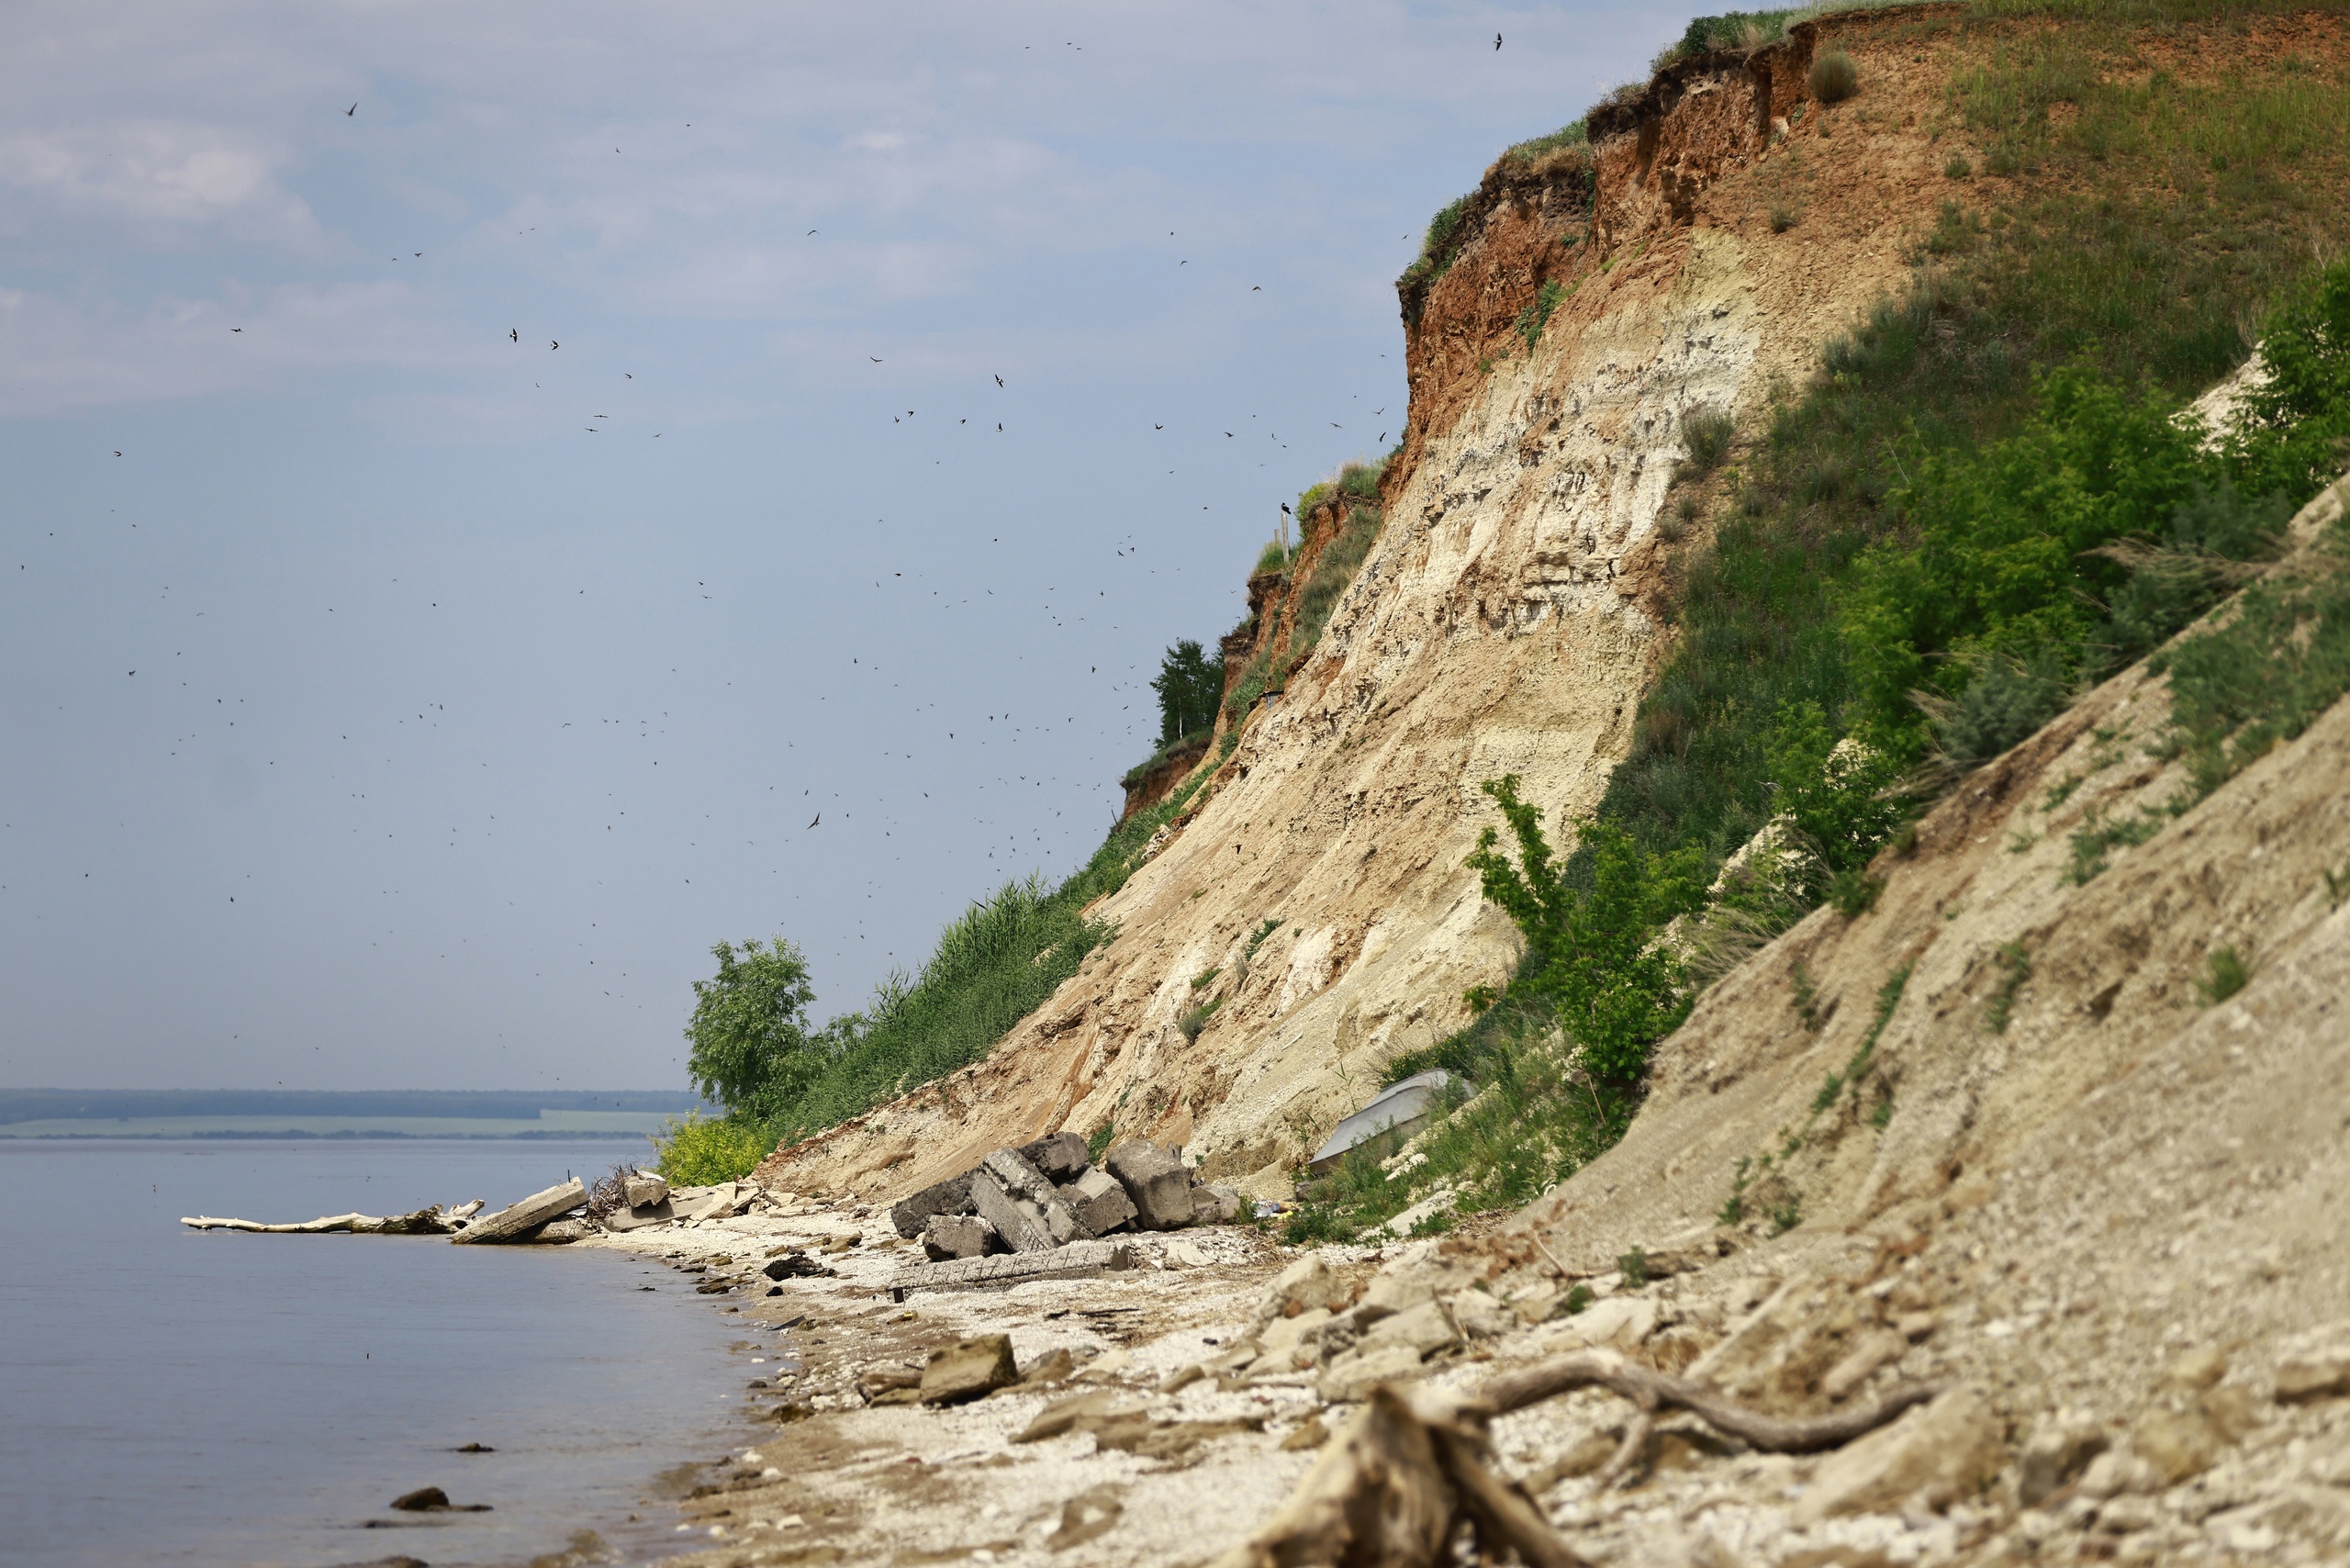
column 1413, row 1467
column 426, row 1221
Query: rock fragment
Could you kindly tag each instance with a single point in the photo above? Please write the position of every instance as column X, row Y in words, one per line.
column 949, row 1197
column 1026, row 1185
column 1953, row 1443
column 2054, row 1457
column 971, row 1369
column 957, row 1236
column 642, row 1189
column 2315, row 1365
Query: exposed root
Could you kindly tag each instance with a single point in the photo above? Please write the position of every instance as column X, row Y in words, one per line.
column 1651, row 1391
column 1411, row 1469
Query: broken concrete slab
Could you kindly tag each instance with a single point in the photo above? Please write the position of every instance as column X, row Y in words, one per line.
column 528, row 1214
column 972, row 1369
column 1156, row 1182
column 642, row 1189
column 952, row 1196
column 957, row 1236
column 1020, row 1225
column 1099, row 1201
column 637, row 1219
column 1060, row 1156
column 1030, row 1186
column 1078, row 1260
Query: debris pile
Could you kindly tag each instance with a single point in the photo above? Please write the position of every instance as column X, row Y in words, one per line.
column 1046, row 1194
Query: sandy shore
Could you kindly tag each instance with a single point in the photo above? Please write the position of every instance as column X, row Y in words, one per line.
column 822, row 1475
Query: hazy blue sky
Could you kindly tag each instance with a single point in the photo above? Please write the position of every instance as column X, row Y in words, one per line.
column 481, row 684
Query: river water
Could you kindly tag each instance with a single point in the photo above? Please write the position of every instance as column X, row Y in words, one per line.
column 171, row 1397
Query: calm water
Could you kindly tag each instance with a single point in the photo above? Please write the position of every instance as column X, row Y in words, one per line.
column 172, row 1398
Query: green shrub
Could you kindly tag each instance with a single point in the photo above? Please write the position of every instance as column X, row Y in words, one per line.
column 2001, row 705
column 1536, row 313
column 1833, row 77
column 2015, row 968
column 1706, row 430
column 2225, row 973
column 697, row 1150
column 1572, row 134
column 1590, row 960
column 1957, row 167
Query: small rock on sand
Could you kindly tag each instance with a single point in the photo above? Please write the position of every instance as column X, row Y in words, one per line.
column 969, row 1370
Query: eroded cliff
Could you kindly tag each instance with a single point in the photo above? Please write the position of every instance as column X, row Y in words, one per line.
column 1506, row 620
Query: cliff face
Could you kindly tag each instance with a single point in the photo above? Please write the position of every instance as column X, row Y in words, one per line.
column 1506, row 620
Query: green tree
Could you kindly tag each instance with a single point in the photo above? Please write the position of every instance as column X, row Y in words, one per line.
column 2291, row 435
column 1190, row 685
column 749, row 1030
column 1835, row 796
column 1592, row 958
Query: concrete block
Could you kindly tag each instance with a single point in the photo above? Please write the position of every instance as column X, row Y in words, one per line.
column 1157, row 1183
column 1100, row 1203
column 957, row 1236
column 644, row 1188
column 1060, row 1156
column 952, row 1196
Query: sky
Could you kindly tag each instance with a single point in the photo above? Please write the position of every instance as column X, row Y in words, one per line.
column 498, row 498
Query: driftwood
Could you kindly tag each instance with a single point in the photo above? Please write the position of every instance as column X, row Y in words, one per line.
column 1412, row 1468
column 426, row 1221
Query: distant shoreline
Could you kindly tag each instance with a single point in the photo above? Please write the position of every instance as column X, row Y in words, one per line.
column 339, row 1136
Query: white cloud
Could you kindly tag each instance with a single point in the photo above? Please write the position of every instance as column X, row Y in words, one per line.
column 162, row 179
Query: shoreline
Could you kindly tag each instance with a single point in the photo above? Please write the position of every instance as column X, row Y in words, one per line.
column 821, row 1472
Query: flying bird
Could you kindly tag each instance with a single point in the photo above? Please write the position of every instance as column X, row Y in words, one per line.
column 552, row 344
column 236, row 328
column 999, row 381
column 814, row 819
column 1497, row 40
column 352, row 110
column 117, row 454
column 514, row 333
column 1257, row 289
column 875, row 361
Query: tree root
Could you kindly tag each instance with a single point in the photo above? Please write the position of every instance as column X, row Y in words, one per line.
column 1651, row 1391
column 1412, row 1468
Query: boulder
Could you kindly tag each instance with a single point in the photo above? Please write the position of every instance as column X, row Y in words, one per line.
column 957, row 1236
column 952, row 1196
column 1953, row 1442
column 1060, row 1156
column 969, row 1370
column 1157, row 1183
column 1100, row 1203
column 644, row 1188
column 529, row 1214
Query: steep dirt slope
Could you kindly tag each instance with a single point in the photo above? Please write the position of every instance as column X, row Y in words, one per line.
column 1506, row 620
